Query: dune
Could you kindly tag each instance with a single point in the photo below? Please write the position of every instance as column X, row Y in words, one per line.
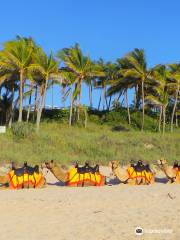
column 93, row 213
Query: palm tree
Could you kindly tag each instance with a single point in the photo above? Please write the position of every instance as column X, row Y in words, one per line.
column 69, row 80
column 46, row 68
column 9, row 80
column 158, row 94
column 80, row 65
column 110, row 71
column 121, row 86
column 17, row 56
column 174, row 85
column 136, row 67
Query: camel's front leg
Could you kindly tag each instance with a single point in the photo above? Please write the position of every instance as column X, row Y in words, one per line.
column 132, row 181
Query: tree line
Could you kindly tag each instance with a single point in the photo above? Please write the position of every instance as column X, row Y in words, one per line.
column 24, row 64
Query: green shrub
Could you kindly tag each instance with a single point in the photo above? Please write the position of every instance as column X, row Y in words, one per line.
column 60, row 115
column 23, row 130
column 95, row 119
column 150, row 123
column 115, row 117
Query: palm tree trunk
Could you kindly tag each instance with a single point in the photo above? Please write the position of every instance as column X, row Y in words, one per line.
column 29, row 108
column 176, row 119
column 103, row 94
column 52, row 95
column 142, row 85
column 35, row 103
column 109, row 105
column 160, row 117
column 63, row 98
column 127, row 105
column 21, row 96
column 164, row 119
column 90, row 94
column 71, row 108
column 85, row 117
column 80, row 97
column 99, row 103
column 42, row 104
column 104, row 98
column 174, row 108
column 12, row 108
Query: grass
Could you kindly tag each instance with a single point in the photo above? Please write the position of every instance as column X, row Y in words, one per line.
column 96, row 144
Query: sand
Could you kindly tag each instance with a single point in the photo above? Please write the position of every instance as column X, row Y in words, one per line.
column 93, row 213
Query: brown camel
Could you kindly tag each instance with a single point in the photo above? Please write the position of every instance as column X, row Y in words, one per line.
column 63, row 175
column 172, row 173
column 132, row 177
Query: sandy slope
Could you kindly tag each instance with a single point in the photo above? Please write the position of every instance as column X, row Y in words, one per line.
column 94, row 213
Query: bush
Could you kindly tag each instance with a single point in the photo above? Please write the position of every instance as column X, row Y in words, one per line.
column 115, row 117
column 150, row 123
column 60, row 115
column 95, row 118
column 23, row 130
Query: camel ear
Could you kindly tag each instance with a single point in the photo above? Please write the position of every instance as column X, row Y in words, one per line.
column 52, row 161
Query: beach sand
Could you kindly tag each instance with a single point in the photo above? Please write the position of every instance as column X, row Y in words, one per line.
column 93, row 213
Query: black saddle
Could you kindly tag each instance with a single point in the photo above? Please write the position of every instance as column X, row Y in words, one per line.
column 140, row 167
column 87, row 169
column 18, row 171
column 25, row 169
column 31, row 170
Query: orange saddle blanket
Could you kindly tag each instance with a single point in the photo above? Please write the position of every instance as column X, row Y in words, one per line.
column 24, row 181
column 78, row 179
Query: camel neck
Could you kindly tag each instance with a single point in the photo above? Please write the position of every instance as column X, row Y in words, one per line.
column 165, row 170
column 59, row 173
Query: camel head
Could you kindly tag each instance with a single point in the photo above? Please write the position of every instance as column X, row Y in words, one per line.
column 49, row 165
column 161, row 162
column 113, row 165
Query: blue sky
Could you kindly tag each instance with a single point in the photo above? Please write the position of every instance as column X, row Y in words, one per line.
column 104, row 28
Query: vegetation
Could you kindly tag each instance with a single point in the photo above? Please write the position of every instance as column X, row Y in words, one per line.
column 112, row 130
column 25, row 66
column 97, row 143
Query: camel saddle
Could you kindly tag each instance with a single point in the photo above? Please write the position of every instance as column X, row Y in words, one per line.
column 25, row 180
column 140, row 170
column 79, row 176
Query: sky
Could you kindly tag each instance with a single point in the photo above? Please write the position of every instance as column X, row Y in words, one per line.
column 104, row 28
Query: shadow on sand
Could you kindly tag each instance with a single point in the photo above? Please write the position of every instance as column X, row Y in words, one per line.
column 111, row 182
column 161, row 180
column 59, row 184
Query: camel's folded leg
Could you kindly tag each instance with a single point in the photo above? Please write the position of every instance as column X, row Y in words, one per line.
column 132, row 181
column 152, row 180
column 169, row 181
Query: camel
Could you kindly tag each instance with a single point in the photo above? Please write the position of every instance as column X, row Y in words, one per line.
column 172, row 173
column 25, row 177
column 73, row 177
column 130, row 176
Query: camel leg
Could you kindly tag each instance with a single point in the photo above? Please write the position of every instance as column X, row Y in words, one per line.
column 169, row 181
column 132, row 182
column 34, row 181
column 17, row 181
column 23, row 182
column 152, row 180
column 28, row 181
